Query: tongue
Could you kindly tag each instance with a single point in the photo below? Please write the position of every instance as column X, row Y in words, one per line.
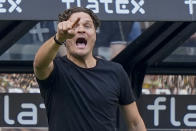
column 81, row 45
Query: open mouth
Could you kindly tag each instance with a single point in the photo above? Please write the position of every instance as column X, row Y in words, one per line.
column 81, row 42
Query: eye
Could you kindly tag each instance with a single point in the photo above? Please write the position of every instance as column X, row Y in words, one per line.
column 87, row 26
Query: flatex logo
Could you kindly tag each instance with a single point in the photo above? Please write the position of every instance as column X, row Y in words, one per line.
column 110, row 6
column 191, row 4
column 13, row 6
column 28, row 115
column 188, row 118
column 138, row 6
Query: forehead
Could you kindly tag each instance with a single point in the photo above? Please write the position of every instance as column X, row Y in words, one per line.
column 83, row 16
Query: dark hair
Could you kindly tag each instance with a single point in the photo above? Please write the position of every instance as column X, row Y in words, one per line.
column 67, row 13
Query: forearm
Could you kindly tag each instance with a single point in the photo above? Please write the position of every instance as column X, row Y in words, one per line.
column 46, row 54
column 139, row 126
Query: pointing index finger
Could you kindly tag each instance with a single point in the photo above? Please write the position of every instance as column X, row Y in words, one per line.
column 76, row 22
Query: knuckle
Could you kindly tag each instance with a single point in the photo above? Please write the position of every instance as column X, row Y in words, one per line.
column 60, row 26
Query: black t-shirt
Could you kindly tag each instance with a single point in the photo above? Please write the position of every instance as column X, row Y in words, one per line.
column 81, row 99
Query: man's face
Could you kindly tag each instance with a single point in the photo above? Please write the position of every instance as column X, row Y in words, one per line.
column 81, row 45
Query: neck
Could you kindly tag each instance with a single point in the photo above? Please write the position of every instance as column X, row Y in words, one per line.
column 84, row 62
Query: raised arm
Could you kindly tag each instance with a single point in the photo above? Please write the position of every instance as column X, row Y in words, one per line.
column 43, row 62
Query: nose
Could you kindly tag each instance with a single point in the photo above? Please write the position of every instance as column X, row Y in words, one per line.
column 80, row 29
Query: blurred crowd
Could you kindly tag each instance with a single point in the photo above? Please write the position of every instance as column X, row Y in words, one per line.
column 18, row 83
column 169, row 84
column 153, row 84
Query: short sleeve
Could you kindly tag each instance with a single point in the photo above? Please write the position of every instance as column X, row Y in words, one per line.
column 126, row 92
column 48, row 82
column 46, row 86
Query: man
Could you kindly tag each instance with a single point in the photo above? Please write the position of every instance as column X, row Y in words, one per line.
column 111, row 39
column 82, row 92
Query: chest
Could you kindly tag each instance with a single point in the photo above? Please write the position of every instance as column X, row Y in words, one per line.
column 100, row 88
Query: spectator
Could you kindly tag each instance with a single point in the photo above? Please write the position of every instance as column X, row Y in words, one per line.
column 135, row 32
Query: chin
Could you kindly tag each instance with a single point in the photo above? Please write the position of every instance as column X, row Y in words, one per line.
column 80, row 54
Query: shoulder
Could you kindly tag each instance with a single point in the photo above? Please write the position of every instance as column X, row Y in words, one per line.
column 58, row 59
column 61, row 60
column 60, row 63
column 110, row 64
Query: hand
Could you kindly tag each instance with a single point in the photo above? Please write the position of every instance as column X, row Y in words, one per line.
column 65, row 30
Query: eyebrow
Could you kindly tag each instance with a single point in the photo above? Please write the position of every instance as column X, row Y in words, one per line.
column 89, row 21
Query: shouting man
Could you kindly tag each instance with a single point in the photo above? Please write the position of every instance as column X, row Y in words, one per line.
column 82, row 92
